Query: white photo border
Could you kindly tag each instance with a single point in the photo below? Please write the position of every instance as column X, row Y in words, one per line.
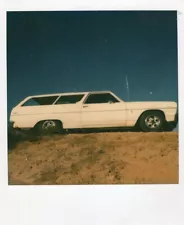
column 98, row 204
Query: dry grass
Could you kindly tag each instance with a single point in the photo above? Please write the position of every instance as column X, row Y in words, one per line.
column 101, row 158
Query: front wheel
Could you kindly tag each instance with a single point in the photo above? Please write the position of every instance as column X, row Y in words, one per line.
column 152, row 122
column 48, row 127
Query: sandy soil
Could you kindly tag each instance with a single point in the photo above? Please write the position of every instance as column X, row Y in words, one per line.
column 96, row 158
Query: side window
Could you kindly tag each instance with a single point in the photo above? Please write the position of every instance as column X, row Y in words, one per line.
column 69, row 99
column 100, row 98
column 31, row 102
column 40, row 101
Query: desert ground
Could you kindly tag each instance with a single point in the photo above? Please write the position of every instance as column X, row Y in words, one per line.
column 96, row 158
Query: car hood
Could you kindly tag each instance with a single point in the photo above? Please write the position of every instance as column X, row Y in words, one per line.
column 151, row 105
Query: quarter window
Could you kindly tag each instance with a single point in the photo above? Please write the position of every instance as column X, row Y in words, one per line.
column 101, row 98
column 40, row 101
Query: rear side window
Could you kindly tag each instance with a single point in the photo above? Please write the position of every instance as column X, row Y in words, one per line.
column 69, row 99
column 40, row 101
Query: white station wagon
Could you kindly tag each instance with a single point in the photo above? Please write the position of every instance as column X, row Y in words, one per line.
column 103, row 109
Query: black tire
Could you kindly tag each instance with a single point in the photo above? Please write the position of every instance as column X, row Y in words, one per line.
column 43, row 127
column 152, row 121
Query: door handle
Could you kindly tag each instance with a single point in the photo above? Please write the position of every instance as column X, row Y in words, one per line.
column 85, row 106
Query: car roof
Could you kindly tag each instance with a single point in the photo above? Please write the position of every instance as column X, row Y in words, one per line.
column 68, row 93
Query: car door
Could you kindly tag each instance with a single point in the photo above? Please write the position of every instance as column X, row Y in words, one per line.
column 68, row 110
column 103, row 110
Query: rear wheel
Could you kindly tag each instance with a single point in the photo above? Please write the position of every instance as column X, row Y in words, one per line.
column 49, row 127
column 152, row 121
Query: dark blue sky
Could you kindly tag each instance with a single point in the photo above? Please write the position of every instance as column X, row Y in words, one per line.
column 50, row 52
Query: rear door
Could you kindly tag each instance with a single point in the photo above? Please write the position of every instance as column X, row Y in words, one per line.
column 103, row 110
column 68, row 110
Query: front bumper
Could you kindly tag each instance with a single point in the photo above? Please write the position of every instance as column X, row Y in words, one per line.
column 176, row 118
column 172, row 125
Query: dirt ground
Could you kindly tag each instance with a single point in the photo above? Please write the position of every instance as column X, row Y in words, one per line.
column 96, row 158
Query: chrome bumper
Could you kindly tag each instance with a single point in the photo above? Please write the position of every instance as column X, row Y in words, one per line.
column 173, row 124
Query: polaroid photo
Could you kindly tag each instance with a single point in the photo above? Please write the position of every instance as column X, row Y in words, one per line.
column 91, row 104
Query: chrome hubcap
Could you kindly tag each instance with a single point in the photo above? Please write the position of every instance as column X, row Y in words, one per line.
column 48, row 125
column 152, row 121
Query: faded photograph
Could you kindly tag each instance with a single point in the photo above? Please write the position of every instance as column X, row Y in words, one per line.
column 92, row 97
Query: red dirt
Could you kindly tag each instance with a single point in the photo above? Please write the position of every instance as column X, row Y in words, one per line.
column 97, row 158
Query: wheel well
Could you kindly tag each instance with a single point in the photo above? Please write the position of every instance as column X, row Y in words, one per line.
column 59, row 121
column 153, row 110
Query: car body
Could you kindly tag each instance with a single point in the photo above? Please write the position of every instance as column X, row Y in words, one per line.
column 100, row 109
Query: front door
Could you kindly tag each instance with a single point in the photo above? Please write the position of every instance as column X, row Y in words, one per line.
column 103, row 110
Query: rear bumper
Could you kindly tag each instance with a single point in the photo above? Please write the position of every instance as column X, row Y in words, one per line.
column 11, row 124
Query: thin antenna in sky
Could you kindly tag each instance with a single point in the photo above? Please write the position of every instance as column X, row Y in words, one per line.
column 127, row 85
